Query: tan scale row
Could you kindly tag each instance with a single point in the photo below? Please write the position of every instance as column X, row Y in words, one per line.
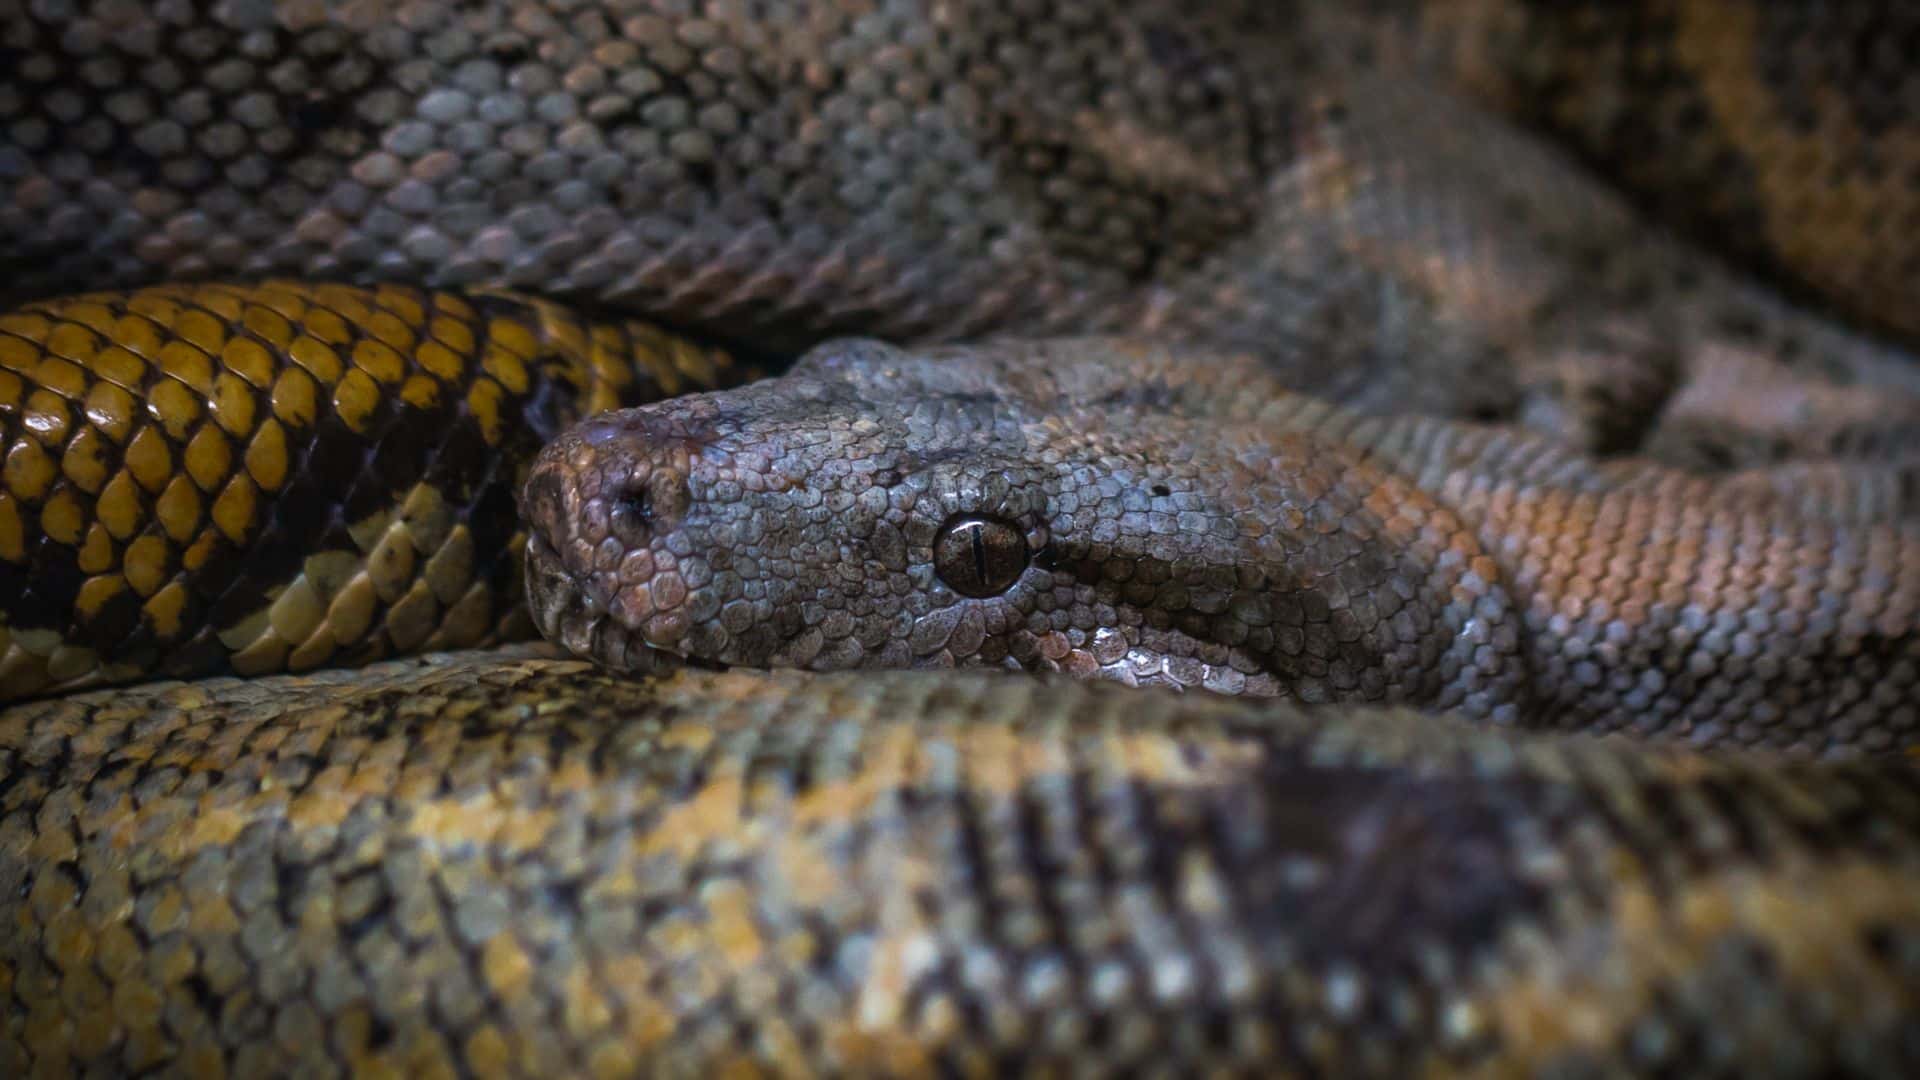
column 507, row 865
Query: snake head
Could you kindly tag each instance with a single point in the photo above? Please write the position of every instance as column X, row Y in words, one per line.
column 871, row 508
column 818, row 520
column 1091, row 508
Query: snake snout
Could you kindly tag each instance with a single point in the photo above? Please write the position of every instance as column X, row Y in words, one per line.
column 551, row 505
column 601, row 495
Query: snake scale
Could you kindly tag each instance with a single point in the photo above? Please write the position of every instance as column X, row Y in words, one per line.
column 1316, row 375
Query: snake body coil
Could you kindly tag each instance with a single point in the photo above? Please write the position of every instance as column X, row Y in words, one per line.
column 1173, row 518
column 209, row 478
column 492, row 864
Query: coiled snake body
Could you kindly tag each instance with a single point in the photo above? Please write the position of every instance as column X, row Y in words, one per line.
column 1355, row 447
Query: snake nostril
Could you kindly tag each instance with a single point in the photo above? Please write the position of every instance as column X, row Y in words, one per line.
column 630, row 515
column 644, row 506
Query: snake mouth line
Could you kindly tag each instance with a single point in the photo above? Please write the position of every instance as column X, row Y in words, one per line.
column 565, row 612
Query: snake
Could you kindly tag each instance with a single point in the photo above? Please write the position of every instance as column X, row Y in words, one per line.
column 1462, row 614
column 1149, row 515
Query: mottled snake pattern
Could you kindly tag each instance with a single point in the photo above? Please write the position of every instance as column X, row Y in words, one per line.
column 1398, row 398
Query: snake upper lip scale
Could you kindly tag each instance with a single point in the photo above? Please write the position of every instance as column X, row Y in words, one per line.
column 575, row 618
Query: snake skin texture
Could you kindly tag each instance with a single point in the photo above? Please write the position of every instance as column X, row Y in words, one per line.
column 1229, row 175
column 1183, row 520
column 1529, row 458
column 203, row 479
column 1781, row 134
column 482, row 865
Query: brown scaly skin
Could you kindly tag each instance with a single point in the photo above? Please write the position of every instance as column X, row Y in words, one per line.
column 495, row 865
column 1168, row 518
column 1231, row 175
column 1783, row 135
column 248, row 479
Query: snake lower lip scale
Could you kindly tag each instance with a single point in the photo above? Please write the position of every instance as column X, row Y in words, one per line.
column 1410, row 377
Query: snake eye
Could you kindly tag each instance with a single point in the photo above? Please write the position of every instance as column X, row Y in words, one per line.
column 979, row 556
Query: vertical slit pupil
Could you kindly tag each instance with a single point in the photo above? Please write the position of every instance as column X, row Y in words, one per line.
column 980, row 556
